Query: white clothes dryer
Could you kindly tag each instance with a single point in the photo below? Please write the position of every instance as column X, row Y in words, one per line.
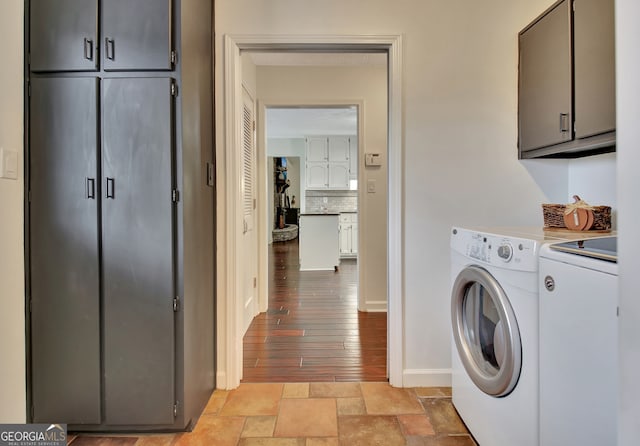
column 578, row 343
column 494, row 315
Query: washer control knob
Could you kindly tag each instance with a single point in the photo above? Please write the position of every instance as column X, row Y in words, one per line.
column 505, row 252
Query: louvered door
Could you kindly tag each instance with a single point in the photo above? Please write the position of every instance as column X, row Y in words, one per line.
column 249, row 237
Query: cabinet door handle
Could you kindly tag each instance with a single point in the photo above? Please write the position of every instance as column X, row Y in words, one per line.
column 564, row 122
column 91, row 188
column 109, row 47
column 111, row 188
column 88, row 49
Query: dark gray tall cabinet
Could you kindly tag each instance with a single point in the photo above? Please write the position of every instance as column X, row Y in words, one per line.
column 120, row 213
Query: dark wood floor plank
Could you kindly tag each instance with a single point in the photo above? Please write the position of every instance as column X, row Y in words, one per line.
column 312, row 330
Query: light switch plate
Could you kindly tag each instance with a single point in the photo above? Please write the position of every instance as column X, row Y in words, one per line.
column 8, row 164
column 371, row 186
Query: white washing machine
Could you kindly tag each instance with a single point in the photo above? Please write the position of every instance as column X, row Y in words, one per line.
column 494, row 312
column 578, row 343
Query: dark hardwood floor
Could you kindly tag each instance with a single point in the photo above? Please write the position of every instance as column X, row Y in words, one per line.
column 312, row 330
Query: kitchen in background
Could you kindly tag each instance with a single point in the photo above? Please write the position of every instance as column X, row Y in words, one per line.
column 314, row 161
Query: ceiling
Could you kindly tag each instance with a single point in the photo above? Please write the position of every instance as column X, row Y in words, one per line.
column 301, row 122
column 298, row 122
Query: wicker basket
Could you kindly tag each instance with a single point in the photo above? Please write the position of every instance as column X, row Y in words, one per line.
column 553, row 215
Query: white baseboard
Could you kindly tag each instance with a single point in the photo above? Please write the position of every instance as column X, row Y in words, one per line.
column 379, row 306
column 221, row 380
column 426, row 378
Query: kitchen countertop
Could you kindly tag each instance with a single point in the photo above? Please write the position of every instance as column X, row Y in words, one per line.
column 320, row 213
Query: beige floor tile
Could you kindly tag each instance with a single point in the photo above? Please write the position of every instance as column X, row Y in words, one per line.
column 271, row 442
column 296, row 390
column 382, row 399
column 258, row 427
column 334, row 390
column 351, row 406
column 369, row 431
column 214, row 405
column 82, row 440
column 416, row 425
column 443, row 416
column 449, row 440
column 253, row 400
column 314, row 417
column 433, row 392
column 322, row 442
column 156, row 440
column 213, row 430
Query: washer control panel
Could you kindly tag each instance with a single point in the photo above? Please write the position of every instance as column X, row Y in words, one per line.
column 493, row 249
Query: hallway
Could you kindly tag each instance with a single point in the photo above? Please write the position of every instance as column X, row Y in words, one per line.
column 312, row 330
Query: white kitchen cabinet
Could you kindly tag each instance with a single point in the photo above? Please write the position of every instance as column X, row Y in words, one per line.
column 328, row 162
column 348, row 235
column 353, row 158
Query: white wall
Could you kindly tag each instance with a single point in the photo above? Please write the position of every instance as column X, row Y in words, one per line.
column 593, row 179
column 459, row 132
column 359, row 84
column 628, row 114
column 12, row 323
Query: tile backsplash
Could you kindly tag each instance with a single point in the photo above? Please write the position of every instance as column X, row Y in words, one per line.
column 333, row 201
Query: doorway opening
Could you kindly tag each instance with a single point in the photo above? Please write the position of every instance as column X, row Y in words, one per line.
column 389, row 151
column 312, row 329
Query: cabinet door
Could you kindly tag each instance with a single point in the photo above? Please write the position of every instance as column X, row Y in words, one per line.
column 594, row 64
column 317, row 175
column 63, row 35
column 138, row 251
column 64, row 258
column 345, row 238
column 317, row 149
column 354, row 235
column 339, row 175
column 136, row 34
column 339, row 149
column 353, row 158
column 544, row 95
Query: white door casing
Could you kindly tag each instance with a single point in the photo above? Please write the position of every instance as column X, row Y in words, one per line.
column 229, row 189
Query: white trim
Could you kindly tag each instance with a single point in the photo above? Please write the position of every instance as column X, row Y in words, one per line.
column 231, row 339
column 395, row 225
column 427, row 378
column 375, row 306
column 233, row 138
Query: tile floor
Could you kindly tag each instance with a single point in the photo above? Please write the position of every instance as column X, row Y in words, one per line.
column 314, row 414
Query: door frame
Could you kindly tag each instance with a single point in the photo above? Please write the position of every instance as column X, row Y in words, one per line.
column 228, row 235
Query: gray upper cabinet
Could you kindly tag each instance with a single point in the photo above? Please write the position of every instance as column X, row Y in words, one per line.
column 136, row 35
column 545, row 80
column 594, row 59
column 64, row 35
column 133, row 35
column 566, row 84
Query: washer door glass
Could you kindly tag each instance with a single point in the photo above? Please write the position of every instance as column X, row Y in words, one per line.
column 485, row 331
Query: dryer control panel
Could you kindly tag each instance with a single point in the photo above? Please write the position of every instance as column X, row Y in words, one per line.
column 493, row 249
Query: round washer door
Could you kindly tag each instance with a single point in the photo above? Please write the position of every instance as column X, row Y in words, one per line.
column 485, row 331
